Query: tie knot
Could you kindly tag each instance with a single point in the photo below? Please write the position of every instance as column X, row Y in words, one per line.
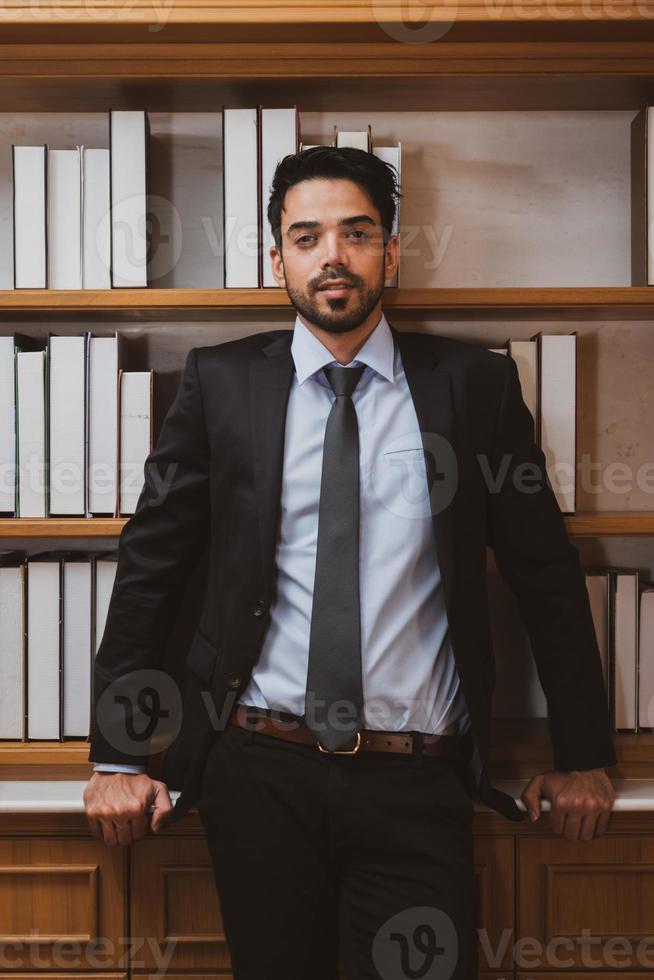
column 344, row 379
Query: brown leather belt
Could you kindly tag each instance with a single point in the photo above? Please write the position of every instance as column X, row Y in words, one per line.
column 366, row 740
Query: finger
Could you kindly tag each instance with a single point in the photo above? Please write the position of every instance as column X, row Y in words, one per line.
column 138, row 827
column 108, row 832
column 558, row 815
column 602, row 822
column 95, row 828
column 123, row 832
column 161, row 817
column 572, row 824
column 588, row 824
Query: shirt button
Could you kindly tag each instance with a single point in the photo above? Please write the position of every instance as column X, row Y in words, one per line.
column 233, row 680
column 259, row 608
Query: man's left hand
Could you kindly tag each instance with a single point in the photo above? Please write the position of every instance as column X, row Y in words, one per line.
column 581, row 801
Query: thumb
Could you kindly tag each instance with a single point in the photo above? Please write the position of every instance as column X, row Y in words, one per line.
column 531, row 798
column 163, row 809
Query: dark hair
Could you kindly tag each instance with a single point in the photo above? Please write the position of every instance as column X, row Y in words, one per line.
column 376, row 177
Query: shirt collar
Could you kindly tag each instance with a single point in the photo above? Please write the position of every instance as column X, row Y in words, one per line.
column 310, row 354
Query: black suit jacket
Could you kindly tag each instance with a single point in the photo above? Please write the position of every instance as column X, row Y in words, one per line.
column 214, row 479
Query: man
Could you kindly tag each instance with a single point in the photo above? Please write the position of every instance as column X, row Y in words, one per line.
column 349, row 478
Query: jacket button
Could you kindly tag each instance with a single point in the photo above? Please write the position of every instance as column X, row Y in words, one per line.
column 233, row 680
column 259, row 608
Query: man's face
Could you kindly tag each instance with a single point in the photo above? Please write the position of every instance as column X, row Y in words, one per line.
column 331, row 231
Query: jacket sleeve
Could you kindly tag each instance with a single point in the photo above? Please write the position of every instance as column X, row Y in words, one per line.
column 527, row 533
column 156, row 550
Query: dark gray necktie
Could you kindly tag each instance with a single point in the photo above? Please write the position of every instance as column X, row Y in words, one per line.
column 334, row 674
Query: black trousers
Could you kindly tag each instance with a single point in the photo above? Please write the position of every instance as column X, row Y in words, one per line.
column 366, row 859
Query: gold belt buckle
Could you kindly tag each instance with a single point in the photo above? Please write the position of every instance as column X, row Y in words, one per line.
column 342, row 751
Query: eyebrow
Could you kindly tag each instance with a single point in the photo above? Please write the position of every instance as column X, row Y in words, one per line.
column 355, row 220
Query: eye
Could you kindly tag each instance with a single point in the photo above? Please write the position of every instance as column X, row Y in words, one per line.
column 357, row 231
column 303, row 236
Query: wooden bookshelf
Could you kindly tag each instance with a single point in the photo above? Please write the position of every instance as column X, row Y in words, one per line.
column 341, row 57
column 579, row 525
column 354, row 56
column 607, row 301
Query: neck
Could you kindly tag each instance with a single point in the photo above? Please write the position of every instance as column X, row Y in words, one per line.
column 345, row 346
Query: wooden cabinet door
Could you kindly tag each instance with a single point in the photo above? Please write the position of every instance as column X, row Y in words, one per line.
column 176, row 918
column 62, row 905
column 586, row 904
column 495, row 875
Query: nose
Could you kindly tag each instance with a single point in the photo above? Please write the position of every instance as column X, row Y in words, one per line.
column 334, row 255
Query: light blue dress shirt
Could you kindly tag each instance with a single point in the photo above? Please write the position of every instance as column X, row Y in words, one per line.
column 410, row 681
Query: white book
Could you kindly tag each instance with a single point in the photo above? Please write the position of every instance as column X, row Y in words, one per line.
column 12, row 635
column 66, row 366
column 558, row 414
column 525, row 355
column 29, row 182
column 128, row 143
column 7, row 426
column 43, row 650
column 136, row 394
column 102, row 401
column 597, row 586
column 64, row 226
column 76, row 654
column 359, row 139
column 393, row 155
column 241, row 197
column 625, row 646
column 105, row 574
column 498, row 350
column 279, row 133
column 30, row 433
column 96, row 219
column 646, row 659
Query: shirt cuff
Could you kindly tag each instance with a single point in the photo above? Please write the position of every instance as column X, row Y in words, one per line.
column 117, row 767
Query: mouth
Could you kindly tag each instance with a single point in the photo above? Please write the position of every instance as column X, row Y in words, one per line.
column 338, row 289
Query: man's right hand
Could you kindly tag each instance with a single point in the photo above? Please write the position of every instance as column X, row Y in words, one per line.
column 116, row 806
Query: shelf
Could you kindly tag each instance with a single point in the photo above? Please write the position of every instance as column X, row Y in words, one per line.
column 310, row 66
column 61, row 527
column 582, row 302
column 610, row 524
column 297, row 13
column 578, row 525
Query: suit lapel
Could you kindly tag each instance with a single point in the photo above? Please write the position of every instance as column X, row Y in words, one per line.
column 270, row 383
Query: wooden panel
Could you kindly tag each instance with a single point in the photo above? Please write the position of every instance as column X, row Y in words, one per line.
column 586, row 902
column 494, row 870
column 299, row 12
column 175, row 904
column 605, row 301
column 61, row 904
column 390, row 76
column 593, row 525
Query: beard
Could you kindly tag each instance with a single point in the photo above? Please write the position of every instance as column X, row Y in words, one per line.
column 345, row 313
